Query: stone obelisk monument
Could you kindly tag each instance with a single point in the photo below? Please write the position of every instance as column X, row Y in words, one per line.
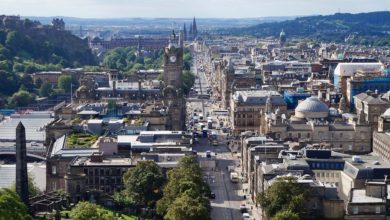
column 21, row 164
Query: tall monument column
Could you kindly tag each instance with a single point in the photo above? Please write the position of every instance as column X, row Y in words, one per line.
column 21, row 164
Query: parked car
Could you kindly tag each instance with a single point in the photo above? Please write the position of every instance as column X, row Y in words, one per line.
column 212, row 195
column 243, row 208
column 245, row 216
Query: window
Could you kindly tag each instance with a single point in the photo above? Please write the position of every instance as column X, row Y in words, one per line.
column 377, row 209
column 299, row 135
column 355, row 210
column 308, row 135
column 54, row 170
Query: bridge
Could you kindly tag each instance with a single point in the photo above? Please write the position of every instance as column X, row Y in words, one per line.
column 9, row 155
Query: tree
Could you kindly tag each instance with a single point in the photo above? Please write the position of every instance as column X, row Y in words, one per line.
column 286, row 215
column 27, row 82
column 9, row 83
column 11, row 207
column 283, row 195
column 14, row 41
column 87, row 211
column 46, row 89
column 21, row 99
column 65, row 82
column 33, row 189
column 188, row 81
column 187, row 179
column 187, row 208
column 144, row 183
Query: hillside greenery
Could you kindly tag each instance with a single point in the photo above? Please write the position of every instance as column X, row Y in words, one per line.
column 28, row 47
column 364, row 28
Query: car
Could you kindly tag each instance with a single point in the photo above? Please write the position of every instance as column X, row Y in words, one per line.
column 212, row 195
column 243, row 208
column 245, row 216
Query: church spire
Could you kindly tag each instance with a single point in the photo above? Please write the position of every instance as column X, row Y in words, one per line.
column 195, row 29
column 190, row 33
column 184, row 32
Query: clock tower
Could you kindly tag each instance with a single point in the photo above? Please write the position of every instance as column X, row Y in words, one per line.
column 173, row 62
column 172, row 93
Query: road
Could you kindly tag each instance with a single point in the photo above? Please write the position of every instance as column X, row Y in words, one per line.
column 227, row 202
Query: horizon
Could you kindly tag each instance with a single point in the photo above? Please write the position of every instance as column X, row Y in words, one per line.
column 207, row 9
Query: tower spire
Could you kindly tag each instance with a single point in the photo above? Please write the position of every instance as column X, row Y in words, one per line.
column 195, row 29
column 184, row 32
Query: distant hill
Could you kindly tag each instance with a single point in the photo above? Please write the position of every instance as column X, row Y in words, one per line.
column 365, row 28
column 24, row 40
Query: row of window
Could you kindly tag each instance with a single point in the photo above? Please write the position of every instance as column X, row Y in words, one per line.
column 105, row 171
column 103, row 180
column 327, row 175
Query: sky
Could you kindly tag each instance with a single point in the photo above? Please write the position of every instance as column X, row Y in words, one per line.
column 187, row 8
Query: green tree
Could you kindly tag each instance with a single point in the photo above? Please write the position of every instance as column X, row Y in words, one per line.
column 188, row 81
column 21, row 99
column 46, row 90
column 284, row 195
column 185, row 179
column 286, row 215
column 33, row 189
column 11, row 207
column 87, row 211
column 9, row 83
column 27, row 82
column 187, row 208
column 18, row 67
column 65, row 82
column 14, row 41
column 143, row 183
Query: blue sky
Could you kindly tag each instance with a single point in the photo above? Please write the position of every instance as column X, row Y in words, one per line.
column 187, row 8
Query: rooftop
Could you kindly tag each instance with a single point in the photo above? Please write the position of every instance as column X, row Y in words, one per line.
column 359, row 196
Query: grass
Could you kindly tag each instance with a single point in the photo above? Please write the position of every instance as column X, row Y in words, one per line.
column 80, row 140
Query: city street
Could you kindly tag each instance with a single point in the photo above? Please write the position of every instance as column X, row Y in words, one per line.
column 228, row 195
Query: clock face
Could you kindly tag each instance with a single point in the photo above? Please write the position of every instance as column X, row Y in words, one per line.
column 172, row 59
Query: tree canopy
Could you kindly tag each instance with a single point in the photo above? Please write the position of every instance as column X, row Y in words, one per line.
column 87, row 211
column 11, row 207
column 143, row 183
column 187, row 207
column 284, row 195
column 185, row 183
column 33, row 189
column 125, row 59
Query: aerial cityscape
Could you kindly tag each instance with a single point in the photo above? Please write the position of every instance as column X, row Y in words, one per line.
column 195, row 110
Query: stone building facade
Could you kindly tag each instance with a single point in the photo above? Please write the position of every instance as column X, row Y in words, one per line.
column 314, row 123
column 246, row 108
